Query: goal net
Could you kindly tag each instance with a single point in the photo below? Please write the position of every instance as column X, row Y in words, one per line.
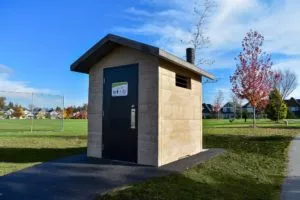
column 30, row 112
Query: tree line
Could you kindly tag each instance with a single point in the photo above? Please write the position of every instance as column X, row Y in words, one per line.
column 70, row 112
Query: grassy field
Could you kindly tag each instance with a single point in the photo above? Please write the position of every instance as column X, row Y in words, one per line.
column 252, row 168
column 266, row 123
column 22, row 149
column 17, row 125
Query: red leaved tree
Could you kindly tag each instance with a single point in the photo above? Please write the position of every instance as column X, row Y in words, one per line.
column 253, row 77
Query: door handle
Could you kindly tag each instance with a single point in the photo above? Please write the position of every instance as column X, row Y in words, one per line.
column 132, row 117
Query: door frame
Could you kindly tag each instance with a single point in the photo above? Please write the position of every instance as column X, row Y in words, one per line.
column 135, row 65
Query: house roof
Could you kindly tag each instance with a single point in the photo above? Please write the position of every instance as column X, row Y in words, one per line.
column 207, row 108
column 228, row 104
column 247, row 105
column 110, row 41
column 292, row 102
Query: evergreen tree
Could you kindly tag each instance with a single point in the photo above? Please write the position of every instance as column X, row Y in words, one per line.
column 2, row 102
column 276, row 109
column 245, row 115
column 10, row 105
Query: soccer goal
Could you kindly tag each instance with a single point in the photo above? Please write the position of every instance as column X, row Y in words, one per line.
column 21, row 111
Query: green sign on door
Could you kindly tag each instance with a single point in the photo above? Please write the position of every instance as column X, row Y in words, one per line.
column 119, row 89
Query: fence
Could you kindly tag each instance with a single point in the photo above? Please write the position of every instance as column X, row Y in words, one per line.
column 31, row 112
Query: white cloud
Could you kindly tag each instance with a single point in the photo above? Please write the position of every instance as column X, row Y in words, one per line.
column 135, row 11
column 16, row 86
column 171, row 22
column 19, row 86
column 168, row 13
column 172, row 42
column 4, row 69
column 21, row 93
column 228, row 24
column 276, row 22
column 293, row 65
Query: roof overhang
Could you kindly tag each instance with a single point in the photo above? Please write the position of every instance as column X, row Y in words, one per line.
column 110, row 42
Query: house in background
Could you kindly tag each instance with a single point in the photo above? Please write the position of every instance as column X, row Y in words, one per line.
column 27, row 114
column 41, row 114
column 293, row 106
column 228, row 111
column 249, row 109
column 80, row 115
column 35, row 111
column 207, row 111
column 53, row 114
column 9, row 113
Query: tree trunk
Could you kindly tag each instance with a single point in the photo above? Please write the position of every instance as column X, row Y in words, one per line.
column 241, row 110
column 234, row 111
column 253, row 117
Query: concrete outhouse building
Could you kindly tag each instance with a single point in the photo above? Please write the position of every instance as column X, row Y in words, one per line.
column 144, row 104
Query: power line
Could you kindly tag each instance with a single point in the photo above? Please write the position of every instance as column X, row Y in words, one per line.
column 211, row 81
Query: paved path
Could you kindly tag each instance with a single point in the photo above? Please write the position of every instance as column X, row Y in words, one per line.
column 78, row 177
column 291, row 187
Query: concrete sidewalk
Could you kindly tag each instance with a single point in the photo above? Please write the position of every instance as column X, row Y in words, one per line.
column 291, row 187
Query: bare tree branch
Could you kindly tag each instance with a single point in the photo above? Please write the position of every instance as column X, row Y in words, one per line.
column 237, row 104
column 287, row 83
column 199, row 39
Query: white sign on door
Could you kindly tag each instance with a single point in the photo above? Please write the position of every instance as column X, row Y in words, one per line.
column 119, row 89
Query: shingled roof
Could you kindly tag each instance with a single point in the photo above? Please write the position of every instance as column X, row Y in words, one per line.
column 109, row 42
column 207, row 108
column 292, row 102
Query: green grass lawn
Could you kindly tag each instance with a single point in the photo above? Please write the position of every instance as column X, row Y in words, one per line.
column 252, row 168
column 293, row 123
column 23, row 149
column 17, row 125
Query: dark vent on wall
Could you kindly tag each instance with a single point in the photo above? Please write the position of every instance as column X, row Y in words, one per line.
column 182, row 81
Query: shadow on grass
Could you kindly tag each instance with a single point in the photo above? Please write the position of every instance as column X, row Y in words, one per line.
column 178, row 186
column 55, row 136
column 227, row 127
column 84, row 181
column 26, row 155
column 265, row 145
column 205, row 183
column 12, row 130
column 257, row 127
column 281, row 127
column 275, row 138
column 81, row 137
column 209, row 182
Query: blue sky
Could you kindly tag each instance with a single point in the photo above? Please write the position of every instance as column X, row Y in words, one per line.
column 40, row 39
